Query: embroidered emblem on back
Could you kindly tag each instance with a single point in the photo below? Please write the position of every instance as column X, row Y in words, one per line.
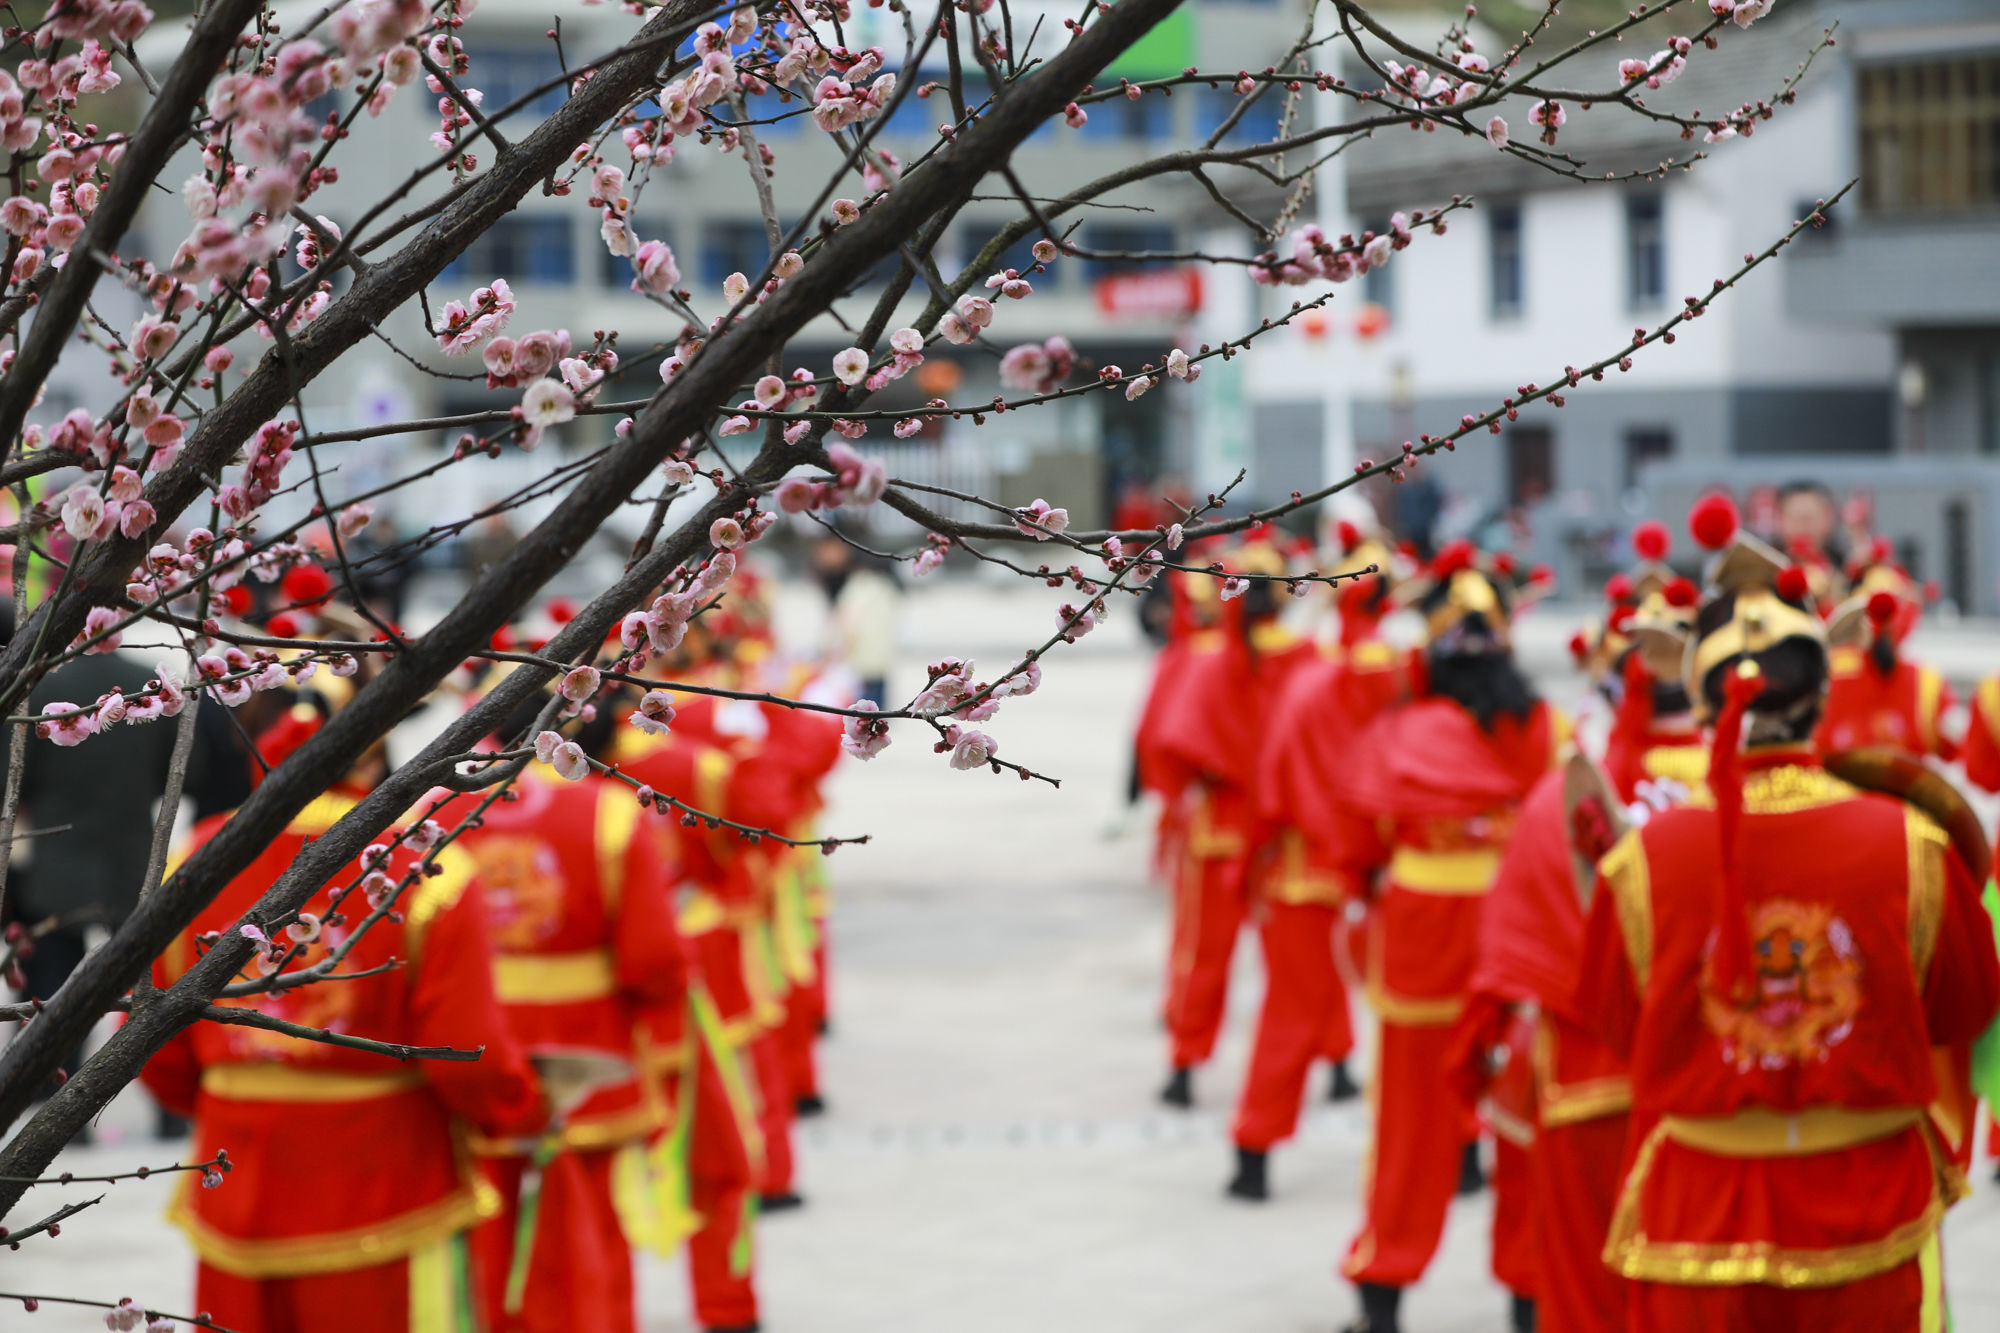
column 1807, row 989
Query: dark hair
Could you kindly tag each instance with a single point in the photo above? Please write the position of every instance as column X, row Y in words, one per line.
column 1805, row 486
column 1487, row 685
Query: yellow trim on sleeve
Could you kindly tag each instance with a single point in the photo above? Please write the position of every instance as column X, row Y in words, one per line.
column 617, row 821
column 1624, row 869
column 435, row 895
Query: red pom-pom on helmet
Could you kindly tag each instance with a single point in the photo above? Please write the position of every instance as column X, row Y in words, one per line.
column 306, row 585
column 1541, row 575
column 561, row 610
column 1618, row 588
column 1348, row 534
column 1713, row 522
column 1681, row 593
column 1503, row 564
column 1880, row 552
column 1651, row 540
column 284, row 625
column 1620, row 617
column 236, row 600
column 1793, row 585
column 1579, row 646
column 1882, row 608
column 503, row 640
column 1453, row 558
column 1407, row 549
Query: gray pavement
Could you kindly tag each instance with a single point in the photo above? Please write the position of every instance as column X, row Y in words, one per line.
column 993, row 1158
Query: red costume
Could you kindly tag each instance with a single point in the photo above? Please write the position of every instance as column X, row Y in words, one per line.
column 1899, row 708
column 582, row 914
column 1780, row 1146
column 1776, row 964
column 1207, row 741
column 1982, row 737
column 1428, row 802
column 298, row 1240
column 732, row 1010
column 1302, row 886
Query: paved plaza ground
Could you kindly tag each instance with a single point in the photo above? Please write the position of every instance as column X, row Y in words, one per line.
column 993, row 1160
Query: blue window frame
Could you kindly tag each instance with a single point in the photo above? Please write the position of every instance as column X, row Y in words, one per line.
column 1148, row 119
column 1258, row 125
column 505, row 73
column 732, row 245
column 1020, row 256
column 521, row 247
column 1378, row 285
column 1127, row 236
column 1646, row 249
column 1505, row 261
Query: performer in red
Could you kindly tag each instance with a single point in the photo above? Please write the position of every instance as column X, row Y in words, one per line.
column 1559, row 1102
column 1300, row 886
column 1877, row 695
column 1775, row 966
column 1428, row 802
column 582, row 911
column 730, row 1010
column 351, row 1202
column 1207, row 738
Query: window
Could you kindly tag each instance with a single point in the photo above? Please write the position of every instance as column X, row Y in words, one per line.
column 919, row 117
column 1258, row 124
column 1127, row 237
column 1503, row 243
column 616, row 270
column 1378, row 285
column 1930, row 135
column 507, row 73
column 1151, row 117
column 1643, row 445
column 1645, row 250
column 1020, row 256
column 521, row 247
column 1531, row 464
column 732, row 247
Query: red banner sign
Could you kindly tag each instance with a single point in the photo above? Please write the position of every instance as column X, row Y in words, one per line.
column 1163, row 293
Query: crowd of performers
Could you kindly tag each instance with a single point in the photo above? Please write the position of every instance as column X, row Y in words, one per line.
column 646, row 986
column 1707, row 973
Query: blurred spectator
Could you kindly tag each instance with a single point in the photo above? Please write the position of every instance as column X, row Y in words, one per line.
column 1808, row 523
column 488, row 544
column 1414, row 510
column 862, row 634
column 84, row 864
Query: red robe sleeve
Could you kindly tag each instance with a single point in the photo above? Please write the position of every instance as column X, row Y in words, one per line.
column 452, row 1004
column 1962, row 992
column 1606, row 999
column 173, row 1075
column 1982, row 737
column 650, row 961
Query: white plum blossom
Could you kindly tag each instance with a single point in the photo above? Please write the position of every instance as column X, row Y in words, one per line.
column 850, row 365
column 548, row 403
column 1496, row 132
